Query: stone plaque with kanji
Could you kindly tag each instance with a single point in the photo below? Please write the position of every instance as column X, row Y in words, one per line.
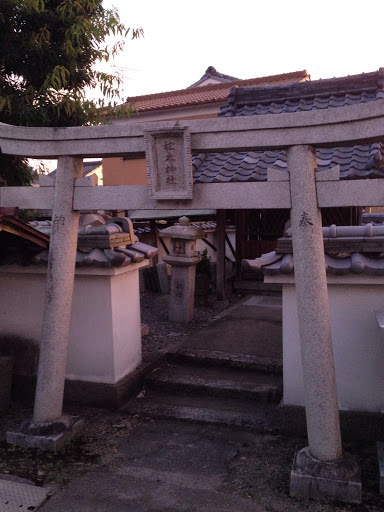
column 169, row 163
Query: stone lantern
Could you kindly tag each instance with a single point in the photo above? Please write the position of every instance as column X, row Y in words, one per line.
column 183, row 260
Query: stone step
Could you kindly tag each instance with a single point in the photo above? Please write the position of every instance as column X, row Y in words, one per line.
column 217, row 381
column 208, row 409
column 202, row 357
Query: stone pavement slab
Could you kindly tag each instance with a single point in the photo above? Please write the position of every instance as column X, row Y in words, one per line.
column 17, row 496
column 162, row 467
column 250, row 327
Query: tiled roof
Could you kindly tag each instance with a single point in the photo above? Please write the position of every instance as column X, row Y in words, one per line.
column 355, row 162
column 355, row 263
column 87, row 167
column 90, row 166
column 349, row 249
column 363, row 161
column 102, row 242
column 14, row 226
column 213, row 93
column 169, row 214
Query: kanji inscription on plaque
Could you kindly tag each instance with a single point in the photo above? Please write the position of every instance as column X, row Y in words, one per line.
column 169, row 163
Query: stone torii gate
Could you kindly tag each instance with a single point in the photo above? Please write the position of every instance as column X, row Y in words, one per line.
column 321, row 469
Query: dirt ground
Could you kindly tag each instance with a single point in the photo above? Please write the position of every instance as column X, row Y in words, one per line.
column 259, row 469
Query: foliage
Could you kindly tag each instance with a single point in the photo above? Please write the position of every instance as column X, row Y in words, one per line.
column 204, row 265
column 48, row 50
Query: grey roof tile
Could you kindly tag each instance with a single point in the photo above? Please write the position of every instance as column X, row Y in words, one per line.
column 356, row 263
column 104, row 256
column 362, row 161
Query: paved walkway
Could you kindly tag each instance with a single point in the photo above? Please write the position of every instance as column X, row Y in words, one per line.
column 251, row 327
column 162, row 467
column 165, row 466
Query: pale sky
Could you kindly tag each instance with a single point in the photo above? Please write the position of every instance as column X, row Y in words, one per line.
column 246, row 39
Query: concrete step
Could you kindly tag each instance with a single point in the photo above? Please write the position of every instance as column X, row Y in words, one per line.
column 213, row 410
column 202, row 357
column 217, row 381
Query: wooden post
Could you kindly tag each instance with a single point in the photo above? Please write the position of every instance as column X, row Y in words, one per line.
column 220, row 255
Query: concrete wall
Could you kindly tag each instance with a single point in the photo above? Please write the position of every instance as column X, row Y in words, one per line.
column 105, row 333
column 117, row 171
column 357, row 341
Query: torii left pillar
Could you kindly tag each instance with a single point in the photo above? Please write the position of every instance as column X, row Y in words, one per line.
column 49, row 429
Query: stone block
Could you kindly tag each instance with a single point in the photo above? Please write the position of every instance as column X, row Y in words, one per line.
column 169, row 163
column 322, row 480
column 48, row 436
column 163, row 277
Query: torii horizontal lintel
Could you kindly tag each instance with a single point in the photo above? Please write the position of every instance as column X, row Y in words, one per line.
column 343, row 126
column 265, row 195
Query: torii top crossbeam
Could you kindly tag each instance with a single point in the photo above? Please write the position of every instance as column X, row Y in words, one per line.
column 355, row 124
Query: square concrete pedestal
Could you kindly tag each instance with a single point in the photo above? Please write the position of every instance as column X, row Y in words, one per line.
column 328, row 481
column 105, row 330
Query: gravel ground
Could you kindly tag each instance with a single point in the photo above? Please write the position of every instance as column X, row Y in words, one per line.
column 260, row 469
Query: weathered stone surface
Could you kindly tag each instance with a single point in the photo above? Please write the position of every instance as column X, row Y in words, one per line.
column 328, row 126
column 21, row 495
column 183, row 260
column 184, row 230
column 181, row 303
column 47, row 436
column 169, row 163
column 336, row 480
column 58, row 298
column 163, row 277
column 332, row 174
column 313, row 309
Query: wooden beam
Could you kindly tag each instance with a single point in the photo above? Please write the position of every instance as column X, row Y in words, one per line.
column 214, row 248
column 230, row 246
column 164, row 245
column 220, row 255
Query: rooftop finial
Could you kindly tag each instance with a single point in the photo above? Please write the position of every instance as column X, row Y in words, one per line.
column 210, row 70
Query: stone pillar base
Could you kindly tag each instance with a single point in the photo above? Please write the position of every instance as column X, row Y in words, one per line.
column 48, row 436
column 330, row 481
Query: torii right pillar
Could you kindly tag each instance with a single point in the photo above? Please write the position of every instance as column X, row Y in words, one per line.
column 321, row 470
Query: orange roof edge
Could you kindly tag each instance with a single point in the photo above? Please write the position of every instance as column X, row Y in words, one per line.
column 294, row 75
